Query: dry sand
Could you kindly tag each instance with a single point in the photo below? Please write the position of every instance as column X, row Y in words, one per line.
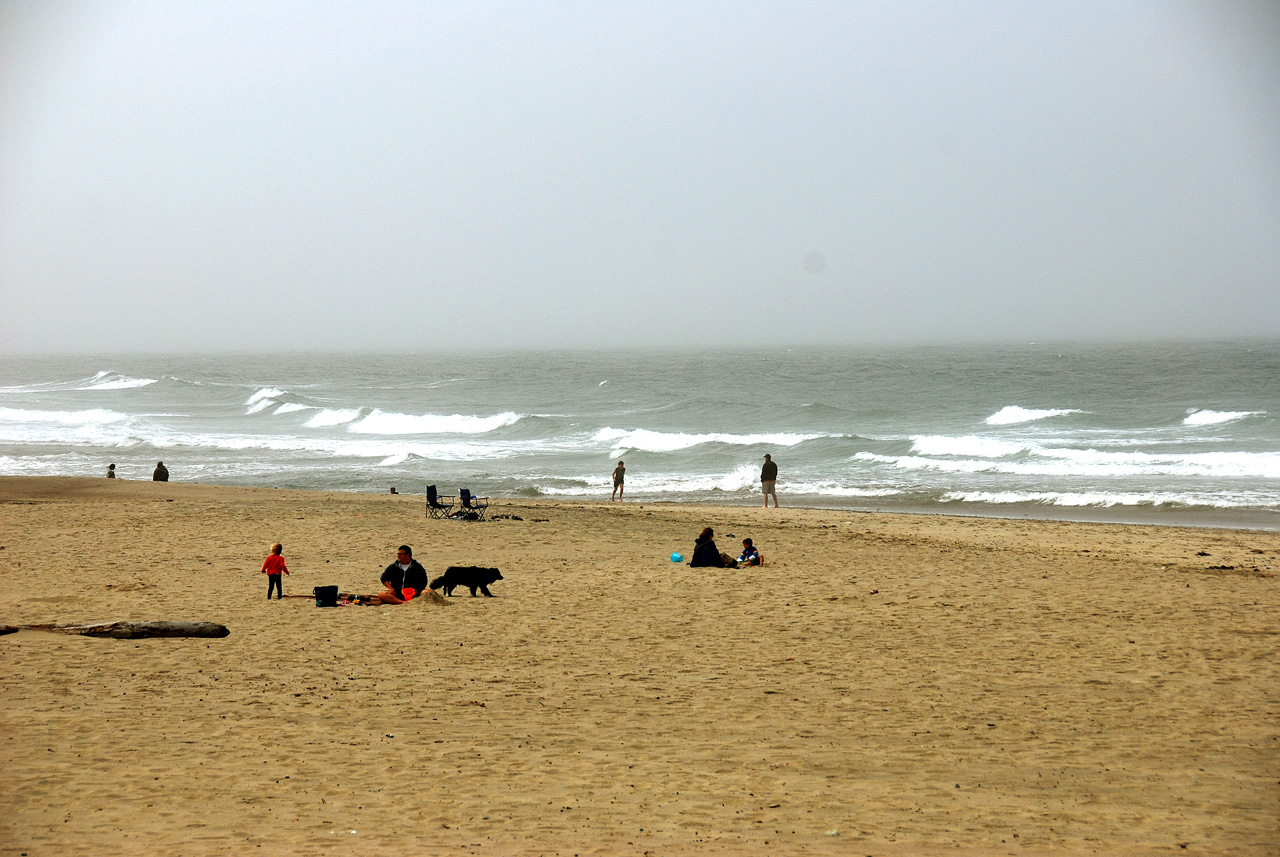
column 1014, row 687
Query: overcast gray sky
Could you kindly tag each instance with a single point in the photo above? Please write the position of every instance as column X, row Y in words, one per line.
column 213, row 176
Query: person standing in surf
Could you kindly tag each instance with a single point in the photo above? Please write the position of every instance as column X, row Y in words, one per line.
column 768, row 480
column 619, row 473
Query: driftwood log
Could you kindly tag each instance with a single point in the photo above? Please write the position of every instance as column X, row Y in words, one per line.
column 137, row 630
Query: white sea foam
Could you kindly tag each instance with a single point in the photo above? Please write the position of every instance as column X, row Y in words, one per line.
column 290, row 407
column 265, row 393
column 1058, row 462
column 1207, row 417
column 92, row 416
column 78, row 429
column 1013, row 414
column 1106, row 499
column 333, row 417
column 114, row 381
column 970, row 445
column 380, row 422
column 833, row 489
column 659, row 441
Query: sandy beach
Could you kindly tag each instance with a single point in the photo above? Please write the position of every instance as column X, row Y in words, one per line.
column 883, row 685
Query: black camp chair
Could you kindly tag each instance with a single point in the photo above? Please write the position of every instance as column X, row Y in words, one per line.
column 479, row 505
column 437, row 506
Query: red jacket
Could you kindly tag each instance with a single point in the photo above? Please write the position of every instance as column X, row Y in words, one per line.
column 274, row 564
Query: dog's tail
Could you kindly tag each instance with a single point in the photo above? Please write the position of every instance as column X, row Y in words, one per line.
column 435, row 584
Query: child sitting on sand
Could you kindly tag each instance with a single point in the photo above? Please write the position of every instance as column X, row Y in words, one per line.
column 272, row 566
column 749, row 555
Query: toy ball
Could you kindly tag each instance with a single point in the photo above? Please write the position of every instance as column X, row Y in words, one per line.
column 675, row 557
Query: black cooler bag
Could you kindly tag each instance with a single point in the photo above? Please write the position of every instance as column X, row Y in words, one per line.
column 326, row 596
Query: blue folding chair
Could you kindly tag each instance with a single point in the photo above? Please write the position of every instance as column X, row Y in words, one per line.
column 468, row 503
column 437, row 507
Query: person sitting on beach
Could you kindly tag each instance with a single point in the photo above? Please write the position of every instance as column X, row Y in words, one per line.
column 707, row 555
column 749, row 555
column 161, row 473
column 404, row 579
column 111, row 471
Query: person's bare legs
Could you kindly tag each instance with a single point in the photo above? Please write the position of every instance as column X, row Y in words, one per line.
column 387, row 596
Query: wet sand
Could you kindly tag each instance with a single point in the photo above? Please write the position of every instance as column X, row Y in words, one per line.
column 885, row 684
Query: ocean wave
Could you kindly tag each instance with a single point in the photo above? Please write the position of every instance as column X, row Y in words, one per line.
column 290, row 407
column 92, row 416
column 264, row 393
column 1207, row 417
column 115, row 381
column 1013, row 414
column 970, row 445
column 1059, row 462
column 1107, row 499
column 743, row 480
column 381, row 422
column 332, row 417
column 78, row 430
column 647, row 440
column 828, row 488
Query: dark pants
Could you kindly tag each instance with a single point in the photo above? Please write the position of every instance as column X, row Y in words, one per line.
column 274, row 583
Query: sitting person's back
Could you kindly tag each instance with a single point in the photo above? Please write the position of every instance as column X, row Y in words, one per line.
column 705, row 553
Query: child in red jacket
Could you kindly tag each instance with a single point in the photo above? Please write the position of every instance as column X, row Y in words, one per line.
column 272, row 567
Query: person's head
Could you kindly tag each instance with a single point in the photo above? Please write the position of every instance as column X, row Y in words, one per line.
column 706, row 534
column 746, row 543
column 621, row 462
column 767, row 457
column 159, row 464
column 277, row 549
column 111, row 467
column 404, row 553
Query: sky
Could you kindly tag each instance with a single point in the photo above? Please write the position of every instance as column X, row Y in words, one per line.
column 295, row 176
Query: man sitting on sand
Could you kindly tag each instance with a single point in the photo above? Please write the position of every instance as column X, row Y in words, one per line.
column 404, row 579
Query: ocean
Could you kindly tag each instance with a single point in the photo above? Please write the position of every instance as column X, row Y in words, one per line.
column 1152, row 433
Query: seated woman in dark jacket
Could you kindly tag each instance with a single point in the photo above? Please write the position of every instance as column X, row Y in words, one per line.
column 705, row 553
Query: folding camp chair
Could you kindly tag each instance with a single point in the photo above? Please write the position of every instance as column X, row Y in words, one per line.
column 479, row 505
column 437, row 506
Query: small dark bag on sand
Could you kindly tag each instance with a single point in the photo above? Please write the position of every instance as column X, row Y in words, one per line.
column 326, row 596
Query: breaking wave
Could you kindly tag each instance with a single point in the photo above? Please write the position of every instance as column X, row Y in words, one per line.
column 659, row 441
column 380, row 422
column 1207, row 417
column 1012, row 415
column 115, row 381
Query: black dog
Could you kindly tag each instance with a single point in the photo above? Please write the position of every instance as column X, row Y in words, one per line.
column 471, row 576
